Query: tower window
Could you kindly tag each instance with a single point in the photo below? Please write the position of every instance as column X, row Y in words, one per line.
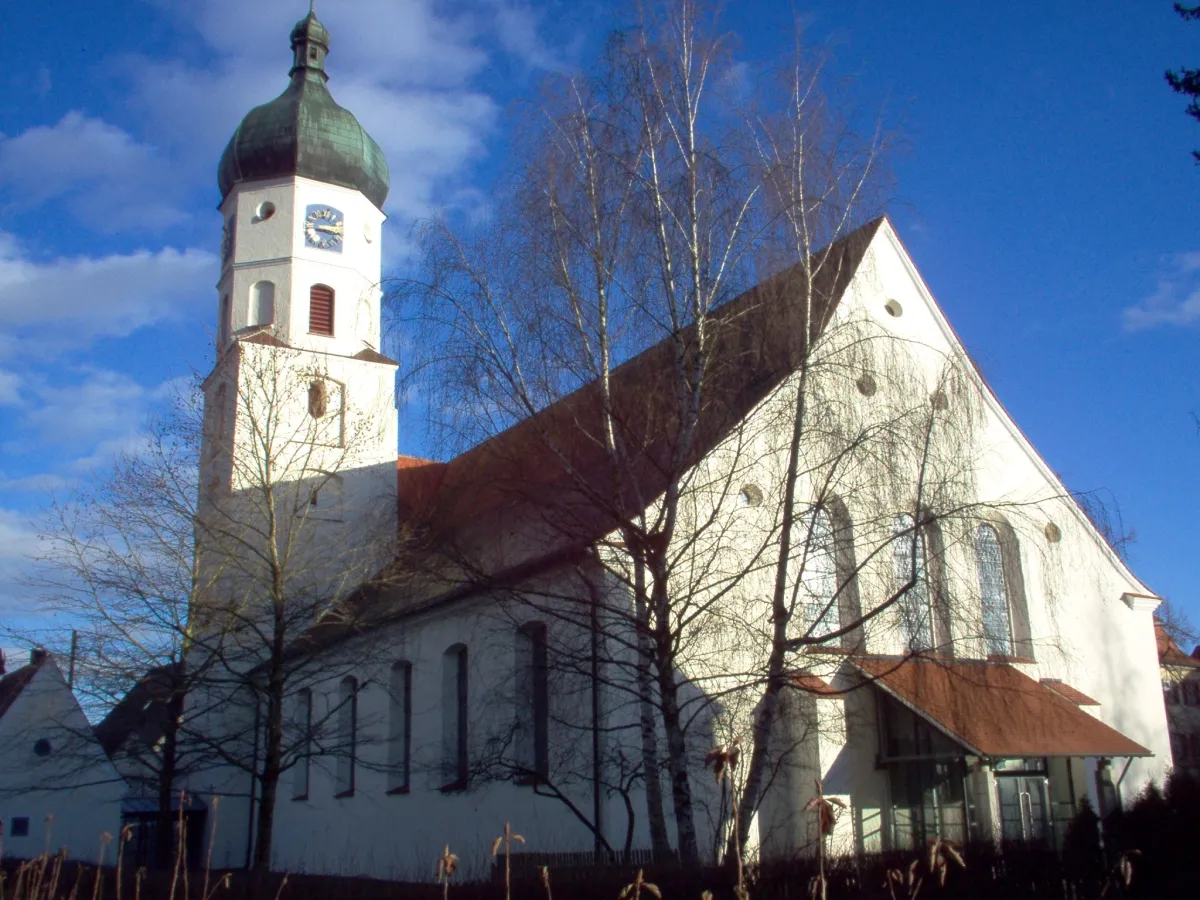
column 225, row 325
column 318, row 399
column 262, row 303
column 320, row 310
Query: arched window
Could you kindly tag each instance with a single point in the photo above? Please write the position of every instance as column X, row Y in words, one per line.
column 225, row 323
column 262, row 303
column 820, row 579
column 303, row 723
column 454, row 718
column 320, row 310
column 911, row 563
column 400, row 727
column 532, row 701
column 993, row 592
column 347, row 731
column 318, row 399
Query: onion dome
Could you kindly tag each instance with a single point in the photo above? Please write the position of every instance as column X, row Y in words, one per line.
column 304, row 132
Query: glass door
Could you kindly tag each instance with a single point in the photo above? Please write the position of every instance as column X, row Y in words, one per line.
column 1023, row 807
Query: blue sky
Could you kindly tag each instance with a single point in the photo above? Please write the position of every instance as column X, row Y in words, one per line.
column 1045, row 189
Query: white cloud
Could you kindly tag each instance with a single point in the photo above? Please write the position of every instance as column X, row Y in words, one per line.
column 110, row 181
column 10, row 388
column 70, row 301
column 1176, row 298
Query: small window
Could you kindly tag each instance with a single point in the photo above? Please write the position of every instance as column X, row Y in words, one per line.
column 1053, row 533
column 41, row 747
column 866, row 385
column 225, row 325
column 400, row 728
column 318, row 399
column 894, row 309
column 347, row 720
column 938, row 400
column 303, row 723
column 20, row 826
column 265, row 210
column 320, row 310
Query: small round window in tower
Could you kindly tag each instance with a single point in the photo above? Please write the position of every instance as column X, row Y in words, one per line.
column 368, row 232
column 1053, row 533
column 318, row 399
column 265, row 210
column 894, row 309
column 41, row 747
column 750, row 495
column 866, row 385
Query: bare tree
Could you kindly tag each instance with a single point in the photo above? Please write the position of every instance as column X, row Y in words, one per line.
column 649, row 331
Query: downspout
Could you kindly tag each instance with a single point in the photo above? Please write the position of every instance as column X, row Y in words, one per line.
column 597, row 805
column 253, row 786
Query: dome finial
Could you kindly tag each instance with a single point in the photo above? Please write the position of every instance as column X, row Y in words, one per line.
column 310, row 45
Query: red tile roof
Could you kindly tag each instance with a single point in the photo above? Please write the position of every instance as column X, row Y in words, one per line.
column 995, row 710
column 1079, row 698
column 814, row 684
column 1169, row 653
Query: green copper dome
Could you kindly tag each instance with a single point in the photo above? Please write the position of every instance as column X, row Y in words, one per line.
column 304, row 132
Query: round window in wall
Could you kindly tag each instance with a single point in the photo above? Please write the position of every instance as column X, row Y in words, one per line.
column 894, row 309
column 866, row 385
column 41, row 747
column 750, row 495
column 265, row 210
column 1053, row 533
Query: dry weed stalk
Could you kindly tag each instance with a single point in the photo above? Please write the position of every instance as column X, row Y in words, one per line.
column 506, row 839
column 1121, row 873
column 544, row 871
column 723, row 761
column 446, row 867
column 823, row 807
column 633, row 890
column 282, row 885
column 939, row 857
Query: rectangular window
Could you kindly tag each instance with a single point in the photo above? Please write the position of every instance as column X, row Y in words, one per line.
column 320, row 310
column 20, row 826
column 303, row 722
column 347, row 722
column 928, row 801
column 400, row 729
column 533, row 703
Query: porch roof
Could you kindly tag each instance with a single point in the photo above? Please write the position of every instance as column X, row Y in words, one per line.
column 995, row 710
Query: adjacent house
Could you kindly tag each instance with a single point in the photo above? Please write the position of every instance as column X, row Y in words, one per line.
column 1181, row 693
column 57, row 787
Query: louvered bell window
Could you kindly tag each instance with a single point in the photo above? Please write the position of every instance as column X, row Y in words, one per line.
column 320, row 309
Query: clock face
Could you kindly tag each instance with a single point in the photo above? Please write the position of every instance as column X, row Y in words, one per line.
column 323, row 228
column 227, row 240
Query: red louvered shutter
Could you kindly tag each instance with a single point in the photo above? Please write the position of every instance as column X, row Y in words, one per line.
column 320, row 309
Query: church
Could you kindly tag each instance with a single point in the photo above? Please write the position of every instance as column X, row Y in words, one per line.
column 393, row 654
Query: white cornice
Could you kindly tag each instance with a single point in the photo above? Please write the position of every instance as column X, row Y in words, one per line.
column 1141, row 602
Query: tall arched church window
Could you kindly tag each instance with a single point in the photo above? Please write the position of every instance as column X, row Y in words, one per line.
column 820, row 579
column 454, row 718
column 400, row 727
column 910, row 559
column 303, row 719
column 320, row 309
column 262, row 303
column 993, row 592
column 532, row 701
column 347, row 731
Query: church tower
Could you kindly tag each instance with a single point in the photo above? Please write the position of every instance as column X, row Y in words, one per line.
column 300, row 393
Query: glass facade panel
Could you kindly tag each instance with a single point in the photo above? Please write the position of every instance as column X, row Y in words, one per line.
column 993, row 592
